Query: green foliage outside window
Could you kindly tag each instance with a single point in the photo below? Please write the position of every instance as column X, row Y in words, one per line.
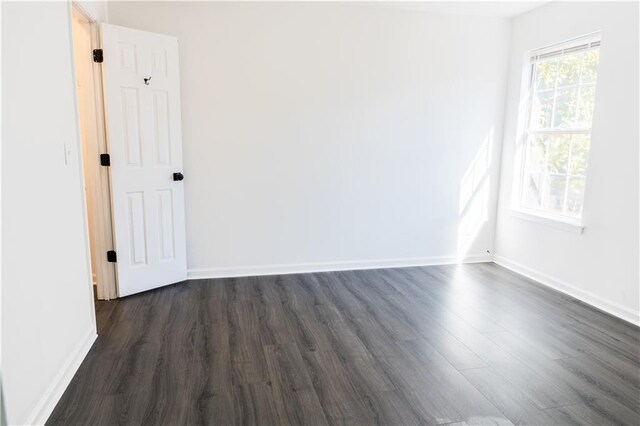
column 559, row 132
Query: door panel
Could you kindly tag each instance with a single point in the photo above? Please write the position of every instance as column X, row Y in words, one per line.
column 137, row 228
column 131, row 125
column 145, row 144
column 165, row 224
column 161, row 127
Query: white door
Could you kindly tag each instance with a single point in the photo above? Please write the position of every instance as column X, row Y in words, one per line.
column 142, row 101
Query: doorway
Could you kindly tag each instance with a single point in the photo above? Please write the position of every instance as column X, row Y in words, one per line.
column 88, row 77
column 130, row 125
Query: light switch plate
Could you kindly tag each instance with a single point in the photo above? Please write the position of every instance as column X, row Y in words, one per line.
column 67, row 154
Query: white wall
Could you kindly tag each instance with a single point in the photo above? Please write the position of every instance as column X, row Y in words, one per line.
column 599, row 266
column 319, row 136
column 47, row 311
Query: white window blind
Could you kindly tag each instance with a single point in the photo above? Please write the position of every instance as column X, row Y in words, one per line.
column 542, row 54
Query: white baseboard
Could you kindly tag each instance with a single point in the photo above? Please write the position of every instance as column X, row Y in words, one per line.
column 587, row 297
column 47, row 403
column 302, row 268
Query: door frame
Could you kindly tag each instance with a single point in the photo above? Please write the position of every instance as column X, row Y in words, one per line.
column 100, row 226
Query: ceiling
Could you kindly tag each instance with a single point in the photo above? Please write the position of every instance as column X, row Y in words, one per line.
column 498, row 9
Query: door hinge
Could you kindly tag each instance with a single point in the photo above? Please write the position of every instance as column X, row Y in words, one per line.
column 105, row 160
column 111, row 256
column 98, row 55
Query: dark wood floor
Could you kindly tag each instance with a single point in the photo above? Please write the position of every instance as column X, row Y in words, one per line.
column 473, row 344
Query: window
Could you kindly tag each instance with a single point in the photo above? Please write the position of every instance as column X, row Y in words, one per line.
column 558, row 129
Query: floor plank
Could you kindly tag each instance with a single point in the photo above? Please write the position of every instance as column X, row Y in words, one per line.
column 459, row 344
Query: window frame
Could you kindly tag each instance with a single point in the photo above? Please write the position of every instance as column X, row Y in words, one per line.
column 531, row 59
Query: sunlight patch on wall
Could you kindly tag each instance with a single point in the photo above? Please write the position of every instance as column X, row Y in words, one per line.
column 474, row 197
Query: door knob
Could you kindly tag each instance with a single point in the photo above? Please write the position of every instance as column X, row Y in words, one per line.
column 178, row 176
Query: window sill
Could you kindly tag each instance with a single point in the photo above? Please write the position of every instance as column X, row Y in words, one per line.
column 558, row 223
